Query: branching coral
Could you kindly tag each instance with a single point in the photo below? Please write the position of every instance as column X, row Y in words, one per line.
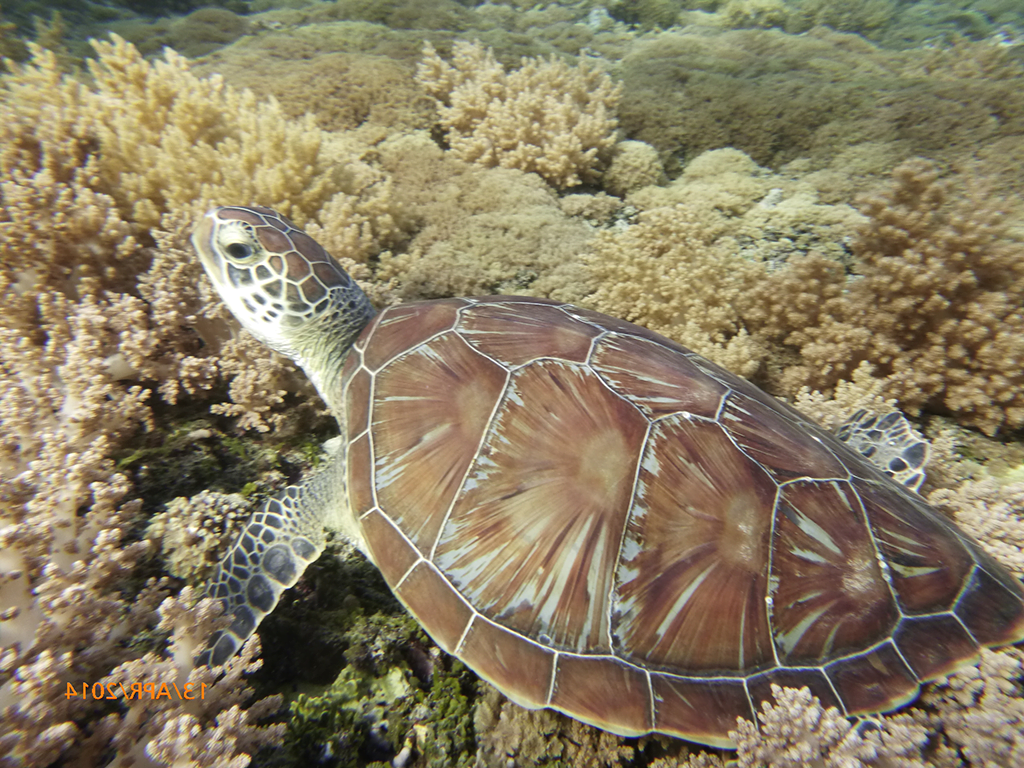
column 87, row 173
column 97, row 325
column 671, row 273
column 798, row 731
column 993, row 513
column 546, row 117
column 981, row 712
column 167, row 710
column 195, row 533
column 937, row 308
column 209, row 729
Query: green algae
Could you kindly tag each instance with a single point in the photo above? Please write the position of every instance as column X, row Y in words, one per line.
column 363, row 681
column 366, row 719
column 394, row 690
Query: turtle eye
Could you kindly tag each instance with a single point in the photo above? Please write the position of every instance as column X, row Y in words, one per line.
column 239, row 251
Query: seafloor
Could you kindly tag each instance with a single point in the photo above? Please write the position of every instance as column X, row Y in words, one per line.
column 822, row 196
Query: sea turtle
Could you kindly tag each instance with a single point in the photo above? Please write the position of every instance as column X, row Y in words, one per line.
column 592, row 517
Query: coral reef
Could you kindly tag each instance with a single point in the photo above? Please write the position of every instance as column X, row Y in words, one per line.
column 168, row 711
column 798, row 731
column 348, row 75
column 934, row 307
column 110, row 343
column 867, row 17
column 937, row 306
column 546, row 117
column 98, row 327
column 779, row 97
column 695, row 264
column 208, row 728
column 673, row 273
column 478, row 231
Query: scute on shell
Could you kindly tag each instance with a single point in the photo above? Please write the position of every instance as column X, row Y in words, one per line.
column 597, row 520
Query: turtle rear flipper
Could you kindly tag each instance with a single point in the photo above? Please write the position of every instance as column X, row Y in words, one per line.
column 890, row 443
column 275, row 547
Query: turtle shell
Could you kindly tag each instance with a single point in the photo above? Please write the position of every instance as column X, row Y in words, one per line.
column 598, row 520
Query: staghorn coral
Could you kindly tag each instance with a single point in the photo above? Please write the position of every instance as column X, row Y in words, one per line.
column 937, row 307
column 545, row 117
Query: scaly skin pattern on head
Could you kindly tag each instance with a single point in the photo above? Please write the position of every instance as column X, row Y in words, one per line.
column 285, row 289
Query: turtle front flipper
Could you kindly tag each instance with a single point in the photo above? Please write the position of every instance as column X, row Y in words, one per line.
column 273, row 550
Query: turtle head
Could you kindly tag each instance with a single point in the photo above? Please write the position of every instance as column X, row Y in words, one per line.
column 283, row 287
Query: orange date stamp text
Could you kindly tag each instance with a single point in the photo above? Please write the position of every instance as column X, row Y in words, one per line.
column 189, row 691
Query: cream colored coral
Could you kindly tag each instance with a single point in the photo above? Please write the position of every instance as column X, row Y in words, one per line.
column 206, row 731
column 672, row 273
column 481, row 230
column 981, row 712
column 634, row 164
column 194, row 533
column 862, row 391
column 98, row 323
column 991, row 512
column 937, row 308
column 797, row 731
column 546, row 117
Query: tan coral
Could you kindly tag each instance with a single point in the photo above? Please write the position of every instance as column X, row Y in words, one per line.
column 863, row 391
column 194, row 533
column 797, row 731
column 634, row 164
column 496, row 230
column 546, row 117
column 993, row 513
column 938, row 306
column 210, row 728
column 98, row 324
column 673, row 274
column 980, row 712
column 538, row 737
